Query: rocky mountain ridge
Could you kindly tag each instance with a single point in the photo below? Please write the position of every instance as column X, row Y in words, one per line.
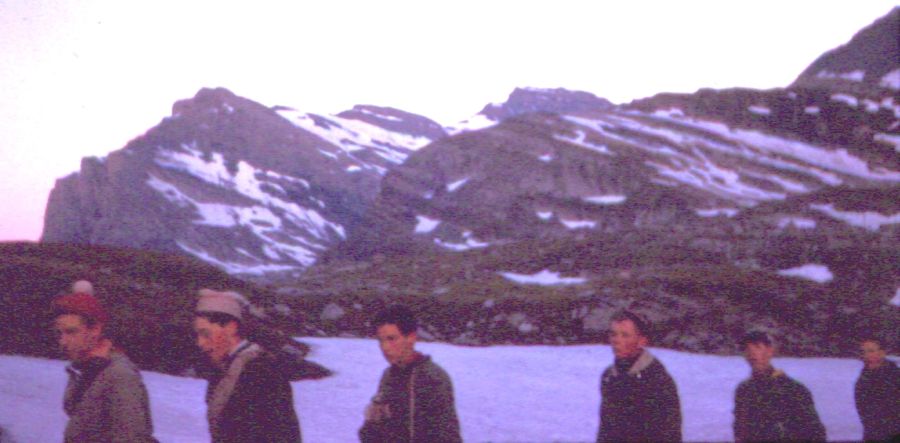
column 529, row 223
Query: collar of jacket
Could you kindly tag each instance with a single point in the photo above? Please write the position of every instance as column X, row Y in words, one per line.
column 768, row 373
column 417, row 359
column 82, row 375
column 886, row 366
column 90, row 367
column 642, row 363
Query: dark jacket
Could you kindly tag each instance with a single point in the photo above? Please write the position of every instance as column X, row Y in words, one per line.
column 878, row 401
column 774, row 407
column 639, row 402
column 107, row 402
column 420, row 400
column 252, row 400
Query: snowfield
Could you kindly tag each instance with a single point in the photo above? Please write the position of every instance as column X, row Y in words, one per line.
column 503, row 393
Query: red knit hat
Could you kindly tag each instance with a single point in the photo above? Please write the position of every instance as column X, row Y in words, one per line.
column 85, row 305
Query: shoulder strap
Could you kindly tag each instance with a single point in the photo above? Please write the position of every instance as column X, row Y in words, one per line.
column 225, row 387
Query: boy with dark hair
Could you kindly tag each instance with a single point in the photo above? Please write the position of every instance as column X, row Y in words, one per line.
column 249, row 396
column 877, row 392
column 105, row 397
column 639, row 399
column 770, row 406
column 414, row 402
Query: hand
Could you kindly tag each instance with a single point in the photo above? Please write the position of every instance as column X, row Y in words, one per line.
column 377, row 412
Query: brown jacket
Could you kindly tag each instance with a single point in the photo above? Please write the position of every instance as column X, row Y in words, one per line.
column 107, row 402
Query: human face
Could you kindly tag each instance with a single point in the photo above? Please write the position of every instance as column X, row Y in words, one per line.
column 398, row 349
column 872, row 354
column 76, row 339
column 759, row 356
column 625, row 339
column 215, row 340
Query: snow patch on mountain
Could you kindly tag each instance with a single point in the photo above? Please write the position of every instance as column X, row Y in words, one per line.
column 353, row 135
column 693, row 156
column 475, row 123
column 891, row 139
column 871, row 106
column 379, row 115
column 578, row 224
column 811, row 271
column 240, row 268
column 770, row 150
column 856, row 75
column 219, row 215
column 425, row 225
column 580, row 139
column 469, row 242
column 716, row 212
column 846, row 99
column 870, row 220
column 451, row 187
column 544, row 278
column 759, row 110
column 611, row 199
column 797, row 222
column 245, row 182
column 891, row 80
column 544, row 215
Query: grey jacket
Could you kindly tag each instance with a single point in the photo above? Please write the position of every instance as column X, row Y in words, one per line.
column 107, row 402
column 421, row 404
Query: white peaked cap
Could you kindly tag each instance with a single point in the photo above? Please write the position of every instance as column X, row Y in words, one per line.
column 226, row 302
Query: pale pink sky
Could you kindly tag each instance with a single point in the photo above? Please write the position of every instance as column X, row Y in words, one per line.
column 82, row 78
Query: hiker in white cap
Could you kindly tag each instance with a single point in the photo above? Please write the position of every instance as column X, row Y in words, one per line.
column 249, row 396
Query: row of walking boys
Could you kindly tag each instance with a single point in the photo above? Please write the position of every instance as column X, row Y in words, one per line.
column 249, row 396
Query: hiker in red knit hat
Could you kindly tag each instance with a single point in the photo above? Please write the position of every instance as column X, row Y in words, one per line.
column 105, row 397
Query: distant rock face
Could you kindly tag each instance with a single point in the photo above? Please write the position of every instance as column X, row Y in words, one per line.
column 250, row 189
column 555, row 101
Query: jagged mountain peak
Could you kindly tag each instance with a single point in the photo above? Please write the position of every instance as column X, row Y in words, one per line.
column 209, row 99
column 869, row 61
